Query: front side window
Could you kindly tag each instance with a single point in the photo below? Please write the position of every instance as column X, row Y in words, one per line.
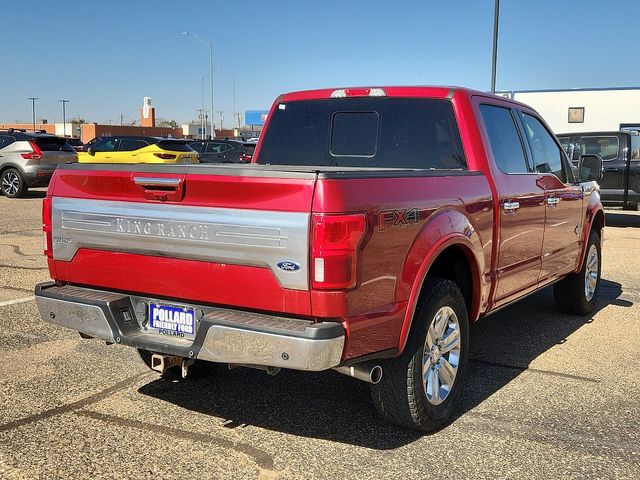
column 605, row 146
column 504, row 139
column 635, row 147
column 547, row 156
column 215, row 148
column 106, row 145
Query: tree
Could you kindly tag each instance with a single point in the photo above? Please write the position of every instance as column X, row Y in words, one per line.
column 163, row 122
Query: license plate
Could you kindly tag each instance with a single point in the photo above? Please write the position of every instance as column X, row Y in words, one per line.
column 172, row 321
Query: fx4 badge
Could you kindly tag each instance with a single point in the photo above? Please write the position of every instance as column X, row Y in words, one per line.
column 397, row 218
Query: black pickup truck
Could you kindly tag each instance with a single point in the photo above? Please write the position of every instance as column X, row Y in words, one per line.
column 620, row 152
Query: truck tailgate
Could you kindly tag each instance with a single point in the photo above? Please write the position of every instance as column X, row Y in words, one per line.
column 221, row 235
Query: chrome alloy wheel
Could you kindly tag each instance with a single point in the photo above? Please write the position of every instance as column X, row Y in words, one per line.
column 10, row 183
column 591, row 273
column 441, row 355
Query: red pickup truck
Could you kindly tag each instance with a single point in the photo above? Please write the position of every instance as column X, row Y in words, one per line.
column 374, row 225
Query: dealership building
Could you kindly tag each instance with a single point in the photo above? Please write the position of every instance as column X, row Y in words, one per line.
column 584, row 109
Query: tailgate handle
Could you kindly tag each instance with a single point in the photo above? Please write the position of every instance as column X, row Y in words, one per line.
column 157, row 182
column 161, row 189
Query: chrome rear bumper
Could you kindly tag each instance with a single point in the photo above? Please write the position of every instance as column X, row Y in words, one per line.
column 223, row 335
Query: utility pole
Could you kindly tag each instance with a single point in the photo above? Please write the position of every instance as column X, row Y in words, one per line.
column 210, row 45
column 496, row 15
column 33, row 110
column 64, row 117
column 221, row 113
column 234, row 96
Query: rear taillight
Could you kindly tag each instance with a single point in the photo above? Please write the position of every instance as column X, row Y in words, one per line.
column 245, row 157
column 335, row 245
column 46, row 227
column 165, row 156
column 36, row 154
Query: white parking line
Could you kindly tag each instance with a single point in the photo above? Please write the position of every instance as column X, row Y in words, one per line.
column 17, row 300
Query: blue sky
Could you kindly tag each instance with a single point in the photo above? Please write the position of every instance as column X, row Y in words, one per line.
column 105, row 56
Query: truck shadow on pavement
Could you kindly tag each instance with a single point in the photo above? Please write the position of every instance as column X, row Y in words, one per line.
column 620, row 218
column 330, row 406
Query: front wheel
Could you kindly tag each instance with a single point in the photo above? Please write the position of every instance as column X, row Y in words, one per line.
column 577, row 294
column 420, row 388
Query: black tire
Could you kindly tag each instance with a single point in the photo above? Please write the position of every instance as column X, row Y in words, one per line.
column 198, row 369
column 571, row 294
column 12, row 183
column 401, row 396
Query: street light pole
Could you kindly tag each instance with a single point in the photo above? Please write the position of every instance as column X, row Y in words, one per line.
column 210, row 45
column 33, row 110
column 496, row 15
column 64, row 117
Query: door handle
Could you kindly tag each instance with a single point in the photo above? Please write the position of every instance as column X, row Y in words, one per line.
column 511, row 206
column 553, row 201
column 611, row 169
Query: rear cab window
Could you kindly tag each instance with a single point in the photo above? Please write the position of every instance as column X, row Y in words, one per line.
column 374, row 132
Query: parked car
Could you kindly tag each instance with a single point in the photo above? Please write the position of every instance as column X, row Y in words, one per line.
column 138, row 149
column 28, row 159
column 374, row 225
column 76, row 144
column 620, row 151
column 223, row 151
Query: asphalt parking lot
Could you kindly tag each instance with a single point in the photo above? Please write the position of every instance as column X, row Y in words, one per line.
column 547, row 396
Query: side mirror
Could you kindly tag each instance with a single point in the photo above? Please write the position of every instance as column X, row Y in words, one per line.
column 590, row 168
column 91, row 151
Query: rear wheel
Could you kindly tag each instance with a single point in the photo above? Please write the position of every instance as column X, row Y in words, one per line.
column 420, row 388
column 12, row 184
column 577, row 294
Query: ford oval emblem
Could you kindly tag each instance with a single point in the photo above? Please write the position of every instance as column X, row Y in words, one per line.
column 288, row 266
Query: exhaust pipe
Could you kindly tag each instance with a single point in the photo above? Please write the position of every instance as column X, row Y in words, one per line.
column 367, row 372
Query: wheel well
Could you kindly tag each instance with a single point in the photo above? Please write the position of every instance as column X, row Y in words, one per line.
column 452, row 263
column 598, row 222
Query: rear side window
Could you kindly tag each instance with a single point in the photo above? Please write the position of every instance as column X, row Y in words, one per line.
column 174, row 146
column 6, row 140
column 376, row 132
column 198, row 147
column 504, row 139
column 128, row 145
column 605, row 146
column 547, row 156
column 53, row 144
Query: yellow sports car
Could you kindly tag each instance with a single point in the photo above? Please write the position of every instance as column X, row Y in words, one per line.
column 138, row 149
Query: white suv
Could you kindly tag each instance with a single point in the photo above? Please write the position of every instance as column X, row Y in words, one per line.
column 28, row 159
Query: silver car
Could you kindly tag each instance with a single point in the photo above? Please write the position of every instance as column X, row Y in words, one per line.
column 28, row 159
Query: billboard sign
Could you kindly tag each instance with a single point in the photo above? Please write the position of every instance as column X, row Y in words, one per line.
column 255, row 117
